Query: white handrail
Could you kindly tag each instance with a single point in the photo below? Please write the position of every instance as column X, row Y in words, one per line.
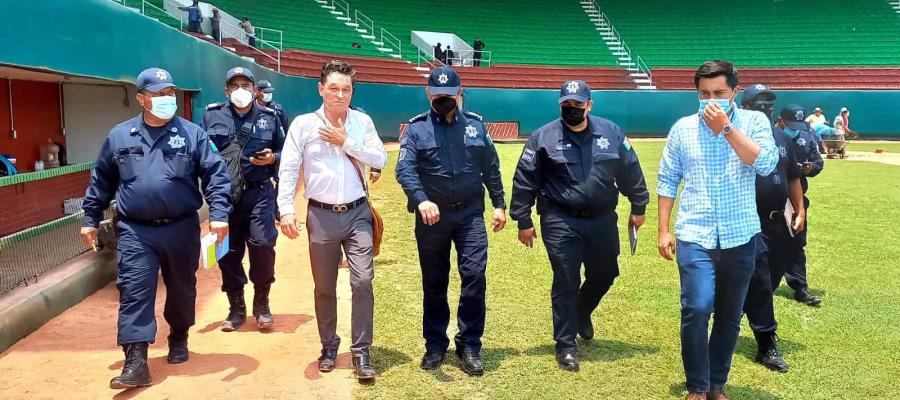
column 262, row 33
column 636, row 58
column 364, row 20
column 385, row 34
column 246, row 41
column 342, row 5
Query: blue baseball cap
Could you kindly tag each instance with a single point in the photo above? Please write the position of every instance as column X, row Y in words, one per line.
column 794, row 117
column 577, row 90
column 239, row 71
column 154, row 80
column 443, row 80
column 754, row 92
column 265, row 86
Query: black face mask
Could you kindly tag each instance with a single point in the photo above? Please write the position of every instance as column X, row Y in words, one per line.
column 572, row 116
column 443, row 105
column 763, row 106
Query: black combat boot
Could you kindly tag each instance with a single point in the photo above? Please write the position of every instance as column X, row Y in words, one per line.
column 237, row 312
column 261, row 311
column 135, row 372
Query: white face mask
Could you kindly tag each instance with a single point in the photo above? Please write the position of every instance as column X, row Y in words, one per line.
column 267, row 97
column 164, row 107
column 241, row 98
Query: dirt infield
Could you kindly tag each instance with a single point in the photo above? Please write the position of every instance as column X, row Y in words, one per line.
column 74, row 355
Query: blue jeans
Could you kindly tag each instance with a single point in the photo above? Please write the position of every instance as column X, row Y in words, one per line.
column 712, row 282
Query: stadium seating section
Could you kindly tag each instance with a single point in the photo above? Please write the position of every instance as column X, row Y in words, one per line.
column 515, row 31
column 152, row 12
column 768, row 33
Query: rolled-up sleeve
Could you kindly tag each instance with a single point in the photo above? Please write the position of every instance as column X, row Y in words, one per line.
column 289, row 169
column 670, row 167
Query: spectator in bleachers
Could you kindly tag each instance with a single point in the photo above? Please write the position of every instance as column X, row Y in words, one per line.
column 216, row 19
column 194, row 17
column 478, row 46
column 438, row 52
column 248, row 28
column 449, row 56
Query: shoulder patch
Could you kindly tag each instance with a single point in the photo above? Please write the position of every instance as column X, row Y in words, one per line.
column 213, row 106
column 418, row 118
column 473, row 115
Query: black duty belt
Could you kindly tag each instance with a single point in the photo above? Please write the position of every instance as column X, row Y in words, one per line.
column 453, row 207
column 158, row 221
column 337, row 208
column 578, row 213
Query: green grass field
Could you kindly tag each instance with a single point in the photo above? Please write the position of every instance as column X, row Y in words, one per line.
column 847, row 349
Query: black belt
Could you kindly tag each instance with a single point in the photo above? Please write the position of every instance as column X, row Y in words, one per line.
column 578, row 213
column 772, row 215
column 338, row 208
column 158, row 221
column 458, row 206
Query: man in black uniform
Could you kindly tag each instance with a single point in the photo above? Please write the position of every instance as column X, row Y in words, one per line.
column 774, row 252
column 575, row 168
column 478, row 46
column 811, row 164
column 265, row 98
column 446, row 161
column 259, row 137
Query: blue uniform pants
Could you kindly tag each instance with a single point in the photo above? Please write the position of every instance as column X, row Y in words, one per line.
column 712, row 282
column 465, row 229
column 773, row 253
column 796, row 272
column 571, row 242
column 144, row 250
column 251, row 228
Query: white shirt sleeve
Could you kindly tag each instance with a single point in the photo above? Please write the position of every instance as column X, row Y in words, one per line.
column 289, row 171
column 370, row 152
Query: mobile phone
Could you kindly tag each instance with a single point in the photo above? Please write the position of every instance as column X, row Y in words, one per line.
column 261, row 154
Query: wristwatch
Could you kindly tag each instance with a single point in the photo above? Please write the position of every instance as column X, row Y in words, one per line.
column 727, row 130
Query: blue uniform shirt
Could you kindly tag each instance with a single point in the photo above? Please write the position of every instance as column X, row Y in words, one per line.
column 449, row 163
column 772, row 191
column 155, row 179
column 266, row 132
column 807, row 150
column 583, row 172
column 279, row 111
column 193, row 14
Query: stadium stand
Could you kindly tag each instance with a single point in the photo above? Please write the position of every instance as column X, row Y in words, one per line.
column 513, row 35
column 785, row 33
column 306, row 25
column 855, row 78
column 156, row 12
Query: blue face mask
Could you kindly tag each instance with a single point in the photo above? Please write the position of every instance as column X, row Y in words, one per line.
column 725, row 104
column 792, row 133
column 164, row 107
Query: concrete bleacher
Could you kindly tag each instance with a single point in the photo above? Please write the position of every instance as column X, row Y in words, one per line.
column 855, row 78
column 783, row 33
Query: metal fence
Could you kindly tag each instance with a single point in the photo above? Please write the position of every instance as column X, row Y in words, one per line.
column 26, row 255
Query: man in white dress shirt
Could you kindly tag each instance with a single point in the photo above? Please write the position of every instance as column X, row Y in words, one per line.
column 326, row 143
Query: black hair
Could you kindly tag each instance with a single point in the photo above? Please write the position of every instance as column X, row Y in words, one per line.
column 340, row 67
column 714, row 68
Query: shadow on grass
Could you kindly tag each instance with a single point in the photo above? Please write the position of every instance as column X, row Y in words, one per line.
column 788, row 293
column 383, row 358
column 735, row 392
column 747, row 348
column 599, row 350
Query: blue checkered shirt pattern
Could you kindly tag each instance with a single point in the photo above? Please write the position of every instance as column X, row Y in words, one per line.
column 717, row 208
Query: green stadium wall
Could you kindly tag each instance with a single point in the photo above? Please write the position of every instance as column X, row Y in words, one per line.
column 101, row 39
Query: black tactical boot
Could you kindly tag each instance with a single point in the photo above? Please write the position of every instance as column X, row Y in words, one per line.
column 237, row 312
column 261, row 311
column 135, row 372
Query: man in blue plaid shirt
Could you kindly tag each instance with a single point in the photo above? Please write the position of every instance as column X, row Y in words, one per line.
column 717, row 153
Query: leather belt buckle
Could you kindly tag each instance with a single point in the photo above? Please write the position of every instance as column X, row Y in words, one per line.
column 339, row 208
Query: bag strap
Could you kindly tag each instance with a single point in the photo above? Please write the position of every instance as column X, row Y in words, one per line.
column 353, row 161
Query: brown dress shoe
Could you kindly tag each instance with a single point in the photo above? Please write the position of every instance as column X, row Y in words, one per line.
column 717, row 394
column 696, row 396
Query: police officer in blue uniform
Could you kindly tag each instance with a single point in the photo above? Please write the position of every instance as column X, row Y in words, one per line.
column 259, row 136
column 775, row 243
column 575, row 167
column 264, row 97
column 811, row 164
column 151, row 164
column 446, row 161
